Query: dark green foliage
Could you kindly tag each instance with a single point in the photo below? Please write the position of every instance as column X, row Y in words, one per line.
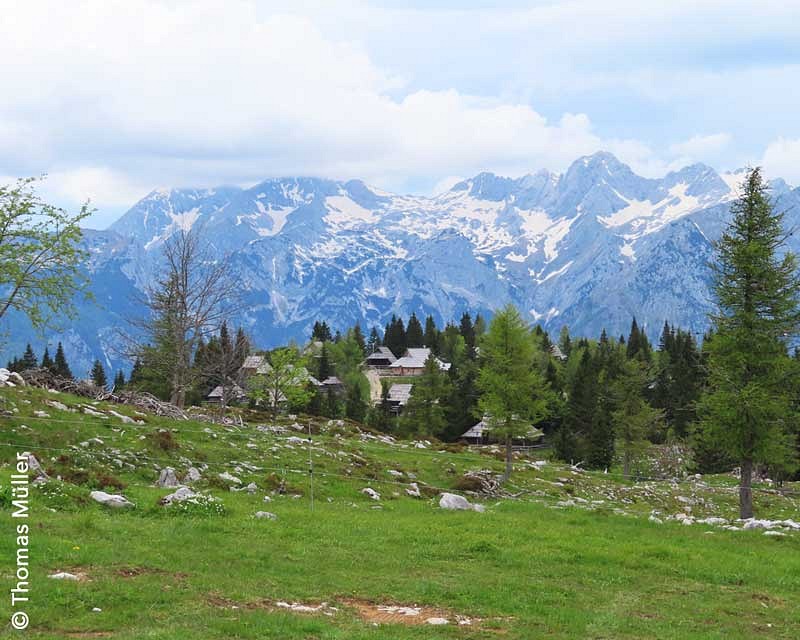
column 414, row 335
column 47, row 361
column 119, row 380
column 98, row 374
column 60, row 363
column 395, row 336
column 467, row 330
column 431, row 336
column 373, row 342
column 29, row 360
column 749, row 408
column 425, row 412
column 321, row 332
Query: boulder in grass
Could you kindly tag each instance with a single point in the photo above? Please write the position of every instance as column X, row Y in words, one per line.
column 413, row 490
column 192, row 475
column 265, row 515
column 227, row 477
column 184, row 493
column 167, row 479
column 455, row 502
column 371, row 493
column 112, row 500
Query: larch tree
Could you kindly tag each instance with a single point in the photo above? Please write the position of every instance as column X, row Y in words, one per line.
column 189, row 302
column 748, row 409
column 514, row 395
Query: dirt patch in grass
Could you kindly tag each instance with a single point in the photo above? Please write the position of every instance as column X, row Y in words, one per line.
column 134, row 572
column 88, row 634
column 369, row 612
column 376, row 613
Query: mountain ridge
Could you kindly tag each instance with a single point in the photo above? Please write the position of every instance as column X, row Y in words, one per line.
column 589, row 248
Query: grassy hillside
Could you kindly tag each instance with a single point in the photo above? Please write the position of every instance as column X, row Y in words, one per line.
column 567, row 554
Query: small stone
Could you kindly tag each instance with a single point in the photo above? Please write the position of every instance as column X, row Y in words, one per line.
column 437, row 621
column 63, row 575
column 266, row 515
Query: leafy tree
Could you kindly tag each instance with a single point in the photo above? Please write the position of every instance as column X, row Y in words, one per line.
column 61, row 368
column 98, row 375
column 748, row 409
column 514, row 395
column 285, row 382
column 39, row 255
column 29, row 360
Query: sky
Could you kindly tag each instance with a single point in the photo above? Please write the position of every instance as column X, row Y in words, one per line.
column 114, row 98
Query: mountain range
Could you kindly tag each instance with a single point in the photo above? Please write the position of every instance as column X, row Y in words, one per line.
column 589, row 248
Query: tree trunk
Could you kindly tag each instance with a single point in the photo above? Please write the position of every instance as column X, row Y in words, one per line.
column 745, row 490
column 507, row 474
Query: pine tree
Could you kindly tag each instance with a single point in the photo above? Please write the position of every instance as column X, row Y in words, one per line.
column 29, row 360
column 119, row 380
column 321, row 332
column 358, row 336
column 570, row 440
column 600, row 441
column 61, row 368
column 395, row 336
column 479, row 326
column 748, row 409
column 514, row 395
column 414, row 335
column 136, row 373
column 431, row 337
column 467, row 330
column 324, row 369
column 374, row 341
column 98, row 375
column 564, row 341
column 47, row 361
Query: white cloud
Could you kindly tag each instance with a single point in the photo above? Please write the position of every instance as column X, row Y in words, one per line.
column 782, row 159
column 141, row 93
column 700, row 146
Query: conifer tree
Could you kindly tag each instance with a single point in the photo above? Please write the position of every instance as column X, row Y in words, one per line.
column 570, row 440
column 395, row 336
column 119, row 380
column 47, row 361
column 29, row 360
column 748, row 410
column 479, row 326
column 98, row 375
column 374, row 341
column 324, row 369
column 514, row 395
column 358, row 336
column 431, row 336
column 467, row 330
column 634, row 417
column 424, row 414
column 564, row 341
column 414, row 335
column 60, row 363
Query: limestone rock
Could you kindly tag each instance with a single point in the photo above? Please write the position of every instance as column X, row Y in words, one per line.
column 167, row 479
column 112, row 500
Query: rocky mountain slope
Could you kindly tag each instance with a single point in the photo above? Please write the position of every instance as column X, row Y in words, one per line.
column 589, row 249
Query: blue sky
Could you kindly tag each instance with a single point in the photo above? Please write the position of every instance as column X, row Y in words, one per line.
column 409, row 96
